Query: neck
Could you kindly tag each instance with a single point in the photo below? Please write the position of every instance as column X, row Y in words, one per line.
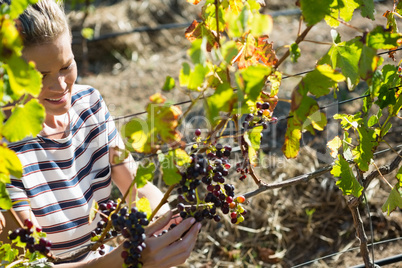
column 56, row 126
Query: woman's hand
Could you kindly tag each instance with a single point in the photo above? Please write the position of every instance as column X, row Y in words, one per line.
column 172, row 248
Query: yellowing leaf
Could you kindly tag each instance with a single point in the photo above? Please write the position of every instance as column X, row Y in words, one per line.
column 334, row 146
column 93, row 211
column 144, row 205
column 253, row 139
column 291, row 145
column 9, row 164
column 26, row 120
column 194, row 2
column 5, row 201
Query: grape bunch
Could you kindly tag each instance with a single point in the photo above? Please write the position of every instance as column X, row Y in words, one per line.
column 33, row 237
column 213, row 169
column 130, row 224
column 262, row 117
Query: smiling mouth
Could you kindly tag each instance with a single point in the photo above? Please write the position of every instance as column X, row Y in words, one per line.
column 55, row 99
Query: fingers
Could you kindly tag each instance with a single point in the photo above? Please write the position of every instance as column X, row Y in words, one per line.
column 175, row 251
column 158, row 224
column 180, row 250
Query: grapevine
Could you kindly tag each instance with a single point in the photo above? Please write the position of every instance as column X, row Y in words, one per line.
column 235, row 72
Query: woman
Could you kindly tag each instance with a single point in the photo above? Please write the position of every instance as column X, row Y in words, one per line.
column 70, row 164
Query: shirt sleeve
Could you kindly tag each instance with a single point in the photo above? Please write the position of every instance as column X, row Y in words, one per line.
column 16, row 191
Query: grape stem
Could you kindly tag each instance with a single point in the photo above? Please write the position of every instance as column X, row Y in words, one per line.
column 163, row 201
column 14, row 263
column 109, row 222
column 217, row 22
column 17, row 219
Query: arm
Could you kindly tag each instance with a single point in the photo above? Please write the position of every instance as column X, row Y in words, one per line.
column 164, row 251
column 122, row 176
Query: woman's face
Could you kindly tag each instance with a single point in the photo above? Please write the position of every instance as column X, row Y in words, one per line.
column 55, row 60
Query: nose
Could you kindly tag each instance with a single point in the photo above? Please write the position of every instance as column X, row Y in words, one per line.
column 59, row 83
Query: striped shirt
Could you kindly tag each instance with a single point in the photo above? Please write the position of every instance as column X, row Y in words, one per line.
column 62, row 177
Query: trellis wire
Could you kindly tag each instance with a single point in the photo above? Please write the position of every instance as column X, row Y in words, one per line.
column 168, row 26
column 187, row 102
column 344, row 251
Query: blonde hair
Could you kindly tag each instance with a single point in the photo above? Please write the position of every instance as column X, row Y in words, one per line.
column 42, row 22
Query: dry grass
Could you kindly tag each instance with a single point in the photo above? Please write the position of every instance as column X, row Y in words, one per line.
column 283, row 227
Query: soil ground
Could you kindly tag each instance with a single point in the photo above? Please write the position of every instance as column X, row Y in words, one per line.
column 278, row 231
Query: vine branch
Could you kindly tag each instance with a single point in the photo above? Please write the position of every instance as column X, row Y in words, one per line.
column 298, row 40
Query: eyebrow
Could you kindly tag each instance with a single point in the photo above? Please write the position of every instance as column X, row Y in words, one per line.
column 69, row 63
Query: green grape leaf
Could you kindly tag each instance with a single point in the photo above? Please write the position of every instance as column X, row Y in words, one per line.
column 398, row 8
column 93, row 211
column 5, row 201
column 260, row 24
column 346, row 56
column 144, row 205
column 367, row 8
column 391, row 21
column 313, row 12
column 236, row 22
column 385, row 129
column 253, row 80
column 26, row 120
column 320, row 81
column 394, row 200
column 221, row 101
column 399, row 177
column 145, row 173
column 169, row 84
column 23, row 77
column 18, row 6
column 229, row 51
column 171, row 174
column 9, row 164
column 184, row 76
column 294, row 52
column 348, row 121
column 291, row 145
column 8, row 253
column 381, row 38
column 253, row 139
column 386, row 97
column 341, row 9
column 197, row 76
column 394, row 110
column 209, row 15
column 197, row 51
column 11, row 44
column 347, row 181
column 347, row 152
column 364, row 151
column 346, row 11
column 372, row 120
column 369, row 62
